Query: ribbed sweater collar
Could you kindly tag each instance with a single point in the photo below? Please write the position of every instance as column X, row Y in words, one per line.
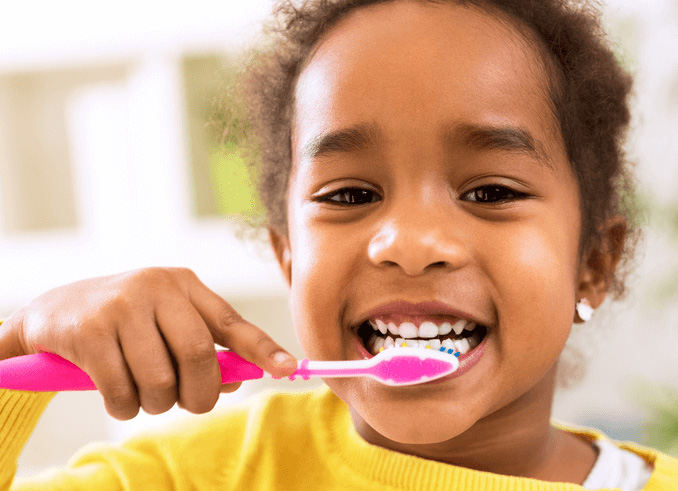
column 373, row 467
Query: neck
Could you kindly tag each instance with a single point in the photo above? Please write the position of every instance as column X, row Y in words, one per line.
column 517, row 440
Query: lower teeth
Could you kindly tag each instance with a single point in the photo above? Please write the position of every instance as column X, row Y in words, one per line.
column 463, row 345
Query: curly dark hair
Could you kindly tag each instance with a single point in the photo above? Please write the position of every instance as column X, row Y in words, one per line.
column 589, row 93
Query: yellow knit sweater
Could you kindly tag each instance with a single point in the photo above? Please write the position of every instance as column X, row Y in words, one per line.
column 275, row 441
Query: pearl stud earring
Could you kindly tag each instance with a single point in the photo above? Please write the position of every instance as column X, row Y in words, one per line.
column 584, row 309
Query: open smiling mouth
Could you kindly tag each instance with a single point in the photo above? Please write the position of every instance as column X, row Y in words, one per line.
column 461, row 335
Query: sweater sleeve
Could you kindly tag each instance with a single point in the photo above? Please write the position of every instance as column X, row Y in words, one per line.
column 196, row 452
column 185, row 456
column 19, row 413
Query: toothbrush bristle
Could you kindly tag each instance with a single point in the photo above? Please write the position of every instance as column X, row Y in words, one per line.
column 413, row 366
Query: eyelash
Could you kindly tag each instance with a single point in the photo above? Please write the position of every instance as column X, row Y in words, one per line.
column 327, row 198
column 480, row 194
column 508, row 193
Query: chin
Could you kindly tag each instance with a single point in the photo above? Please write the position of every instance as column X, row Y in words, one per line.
column 422, row 434
column 414, row 426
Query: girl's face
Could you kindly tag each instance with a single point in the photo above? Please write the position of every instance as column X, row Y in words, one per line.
column 431, row 183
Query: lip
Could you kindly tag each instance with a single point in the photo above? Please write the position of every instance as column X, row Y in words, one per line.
column 403, row 308
column 467, row 360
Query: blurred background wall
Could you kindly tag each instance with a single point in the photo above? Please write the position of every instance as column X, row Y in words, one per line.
column 108, row 163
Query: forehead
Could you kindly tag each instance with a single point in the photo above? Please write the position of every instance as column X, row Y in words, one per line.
column 439, row 63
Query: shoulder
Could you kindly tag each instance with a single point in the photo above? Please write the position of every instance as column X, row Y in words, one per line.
column 664, row 475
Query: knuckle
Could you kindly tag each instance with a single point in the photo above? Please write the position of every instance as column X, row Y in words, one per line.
column 16, row 323
column 228, row 318
column 185, row 273
column 161, row 280
column 168, row 275
column 96, row 338
column 121, row 399
column 91, row 344
column 16, row 320
column 199, row 406
column 200, row 354
column 155, row 405
column 125, row 414
column 157, row 408
column 263, row 342
column 152, row 276
column 162, row 382
column 29, row 320
column 122, row 305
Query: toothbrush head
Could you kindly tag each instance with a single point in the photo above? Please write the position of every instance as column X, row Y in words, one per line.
column 409, row 366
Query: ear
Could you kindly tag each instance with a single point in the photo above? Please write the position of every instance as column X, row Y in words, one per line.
column 599, row 264
column 281, row 246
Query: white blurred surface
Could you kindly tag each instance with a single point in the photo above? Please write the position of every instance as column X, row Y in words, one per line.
column 127, row 144
column 42, row 33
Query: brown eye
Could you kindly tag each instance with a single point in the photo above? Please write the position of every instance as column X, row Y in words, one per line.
column 493, row 194
column 350, row 196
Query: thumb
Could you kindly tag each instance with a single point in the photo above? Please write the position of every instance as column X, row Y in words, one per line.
column 10, row 345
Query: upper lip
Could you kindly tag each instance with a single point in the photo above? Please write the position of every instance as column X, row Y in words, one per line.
column 405, row 308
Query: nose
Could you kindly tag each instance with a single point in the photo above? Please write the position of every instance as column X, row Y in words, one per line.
column 419, row 239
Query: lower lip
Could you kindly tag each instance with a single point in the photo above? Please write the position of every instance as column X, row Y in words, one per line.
column 466, row 361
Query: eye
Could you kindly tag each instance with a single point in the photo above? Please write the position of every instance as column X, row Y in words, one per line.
column 350, row 196
column 493, row 194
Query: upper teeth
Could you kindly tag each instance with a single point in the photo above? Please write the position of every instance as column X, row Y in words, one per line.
column 427, row 329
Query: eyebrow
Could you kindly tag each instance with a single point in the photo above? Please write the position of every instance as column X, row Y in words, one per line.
column 508, row 138
column 480, row 137
column 346, row 140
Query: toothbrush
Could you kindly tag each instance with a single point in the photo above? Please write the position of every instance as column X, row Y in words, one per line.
column 47, row 372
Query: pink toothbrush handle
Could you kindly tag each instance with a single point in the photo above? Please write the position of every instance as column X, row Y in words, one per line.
column 47, row 372
column 42, row 372
column 236, row 369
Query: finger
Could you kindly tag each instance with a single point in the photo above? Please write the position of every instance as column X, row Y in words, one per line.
column 192, row 347
column 232, row 331
column 106, row 366
column 10, row 345
column 227, row 388
column 149, row 361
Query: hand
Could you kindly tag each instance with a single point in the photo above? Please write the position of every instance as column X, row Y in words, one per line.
column 146, row 338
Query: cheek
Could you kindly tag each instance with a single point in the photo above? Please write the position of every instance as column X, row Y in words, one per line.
column 318, row 273
column 538, row 281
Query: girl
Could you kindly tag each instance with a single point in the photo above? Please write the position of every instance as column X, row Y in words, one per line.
column 424, row 162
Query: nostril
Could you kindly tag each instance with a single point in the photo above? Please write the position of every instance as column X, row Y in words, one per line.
column 415, row 250
column 439, row 264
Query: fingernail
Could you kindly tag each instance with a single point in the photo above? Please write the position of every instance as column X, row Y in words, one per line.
column 283, row 360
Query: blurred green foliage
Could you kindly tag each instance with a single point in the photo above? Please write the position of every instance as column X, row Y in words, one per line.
column 232, row 182
column 660, row 402
column 661, row 405
column 665, row 220
column 223, row 160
